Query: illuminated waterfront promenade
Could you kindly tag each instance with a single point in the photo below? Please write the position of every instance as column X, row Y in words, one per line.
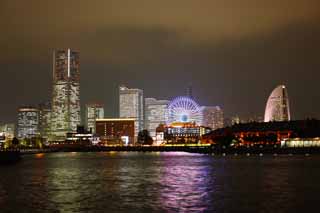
column 204, row 149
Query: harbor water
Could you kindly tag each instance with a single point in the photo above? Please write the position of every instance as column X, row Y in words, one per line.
column 160, row 182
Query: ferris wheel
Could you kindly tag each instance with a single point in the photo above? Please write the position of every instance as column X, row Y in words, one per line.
column 184, row 109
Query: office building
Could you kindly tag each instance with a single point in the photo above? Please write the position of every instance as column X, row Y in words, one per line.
column 131, row 106
column 116, row 131
column 66, row 93
column 155, row 114
column 212, row 117
column 45, row 120
column 28, row 122
column 93, row 111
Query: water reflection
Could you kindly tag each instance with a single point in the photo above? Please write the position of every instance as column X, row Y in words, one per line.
column 159, row 182
column 185, row 182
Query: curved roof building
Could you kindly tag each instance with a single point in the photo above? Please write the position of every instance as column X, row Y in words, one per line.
column 277, row 108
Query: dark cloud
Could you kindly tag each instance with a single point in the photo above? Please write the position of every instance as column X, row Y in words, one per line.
column 232, row 53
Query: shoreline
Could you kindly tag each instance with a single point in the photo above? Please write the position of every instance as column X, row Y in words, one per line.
column 190, row 149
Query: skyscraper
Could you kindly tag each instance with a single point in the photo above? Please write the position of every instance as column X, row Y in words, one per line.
column 277, row 108
column 131, row 106
column 93, row 111
column 212, row 117
column 66, row 93
column 45, row 119
column 155, row 114
column 28, row 122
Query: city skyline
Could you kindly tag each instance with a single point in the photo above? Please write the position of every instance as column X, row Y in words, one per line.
column 218, row 54
column 159, row 106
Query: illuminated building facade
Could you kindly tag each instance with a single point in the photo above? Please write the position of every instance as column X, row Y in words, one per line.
column 7, row 130
column 45, row 120
column 268, row 133
column 66, row 93
column 212, row 117
column 300, row 142
column 277, row 108
column 93, row 111
column 116, row 131
column 155, row 114
column 184, row 133
column 28, row 122
column 131, row 106
column 235, row 120
column 80, row 137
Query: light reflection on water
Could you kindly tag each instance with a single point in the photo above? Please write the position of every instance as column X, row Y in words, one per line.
column 159, row 182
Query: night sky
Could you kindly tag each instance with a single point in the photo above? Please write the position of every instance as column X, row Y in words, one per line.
column 232, row 52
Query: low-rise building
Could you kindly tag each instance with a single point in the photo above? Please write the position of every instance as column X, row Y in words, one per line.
column 116, row 131
column 181, row 133
column 266, row 133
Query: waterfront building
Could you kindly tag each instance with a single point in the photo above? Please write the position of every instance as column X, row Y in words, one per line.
column 45, row 120
column 66, row 93
column 300, row 142
column 116, row 131
column 81, row 137
column 212, row 117
column 7, row 130
column 155, row 114
column 131, row 106
column 182, row 133
column 265, row 133
column 277, row 108
column 159, row 135
column 28, row 122
column 93, row 111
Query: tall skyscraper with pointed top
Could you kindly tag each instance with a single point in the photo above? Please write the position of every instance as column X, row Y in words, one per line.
column 66, row 93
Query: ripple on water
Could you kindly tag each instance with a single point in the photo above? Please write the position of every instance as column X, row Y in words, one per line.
column 148, row 182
